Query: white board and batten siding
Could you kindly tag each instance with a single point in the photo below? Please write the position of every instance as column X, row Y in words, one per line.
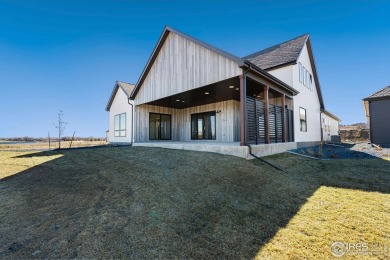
column 227, row 121
column 307, row 98
column 182, row 65
column 120, row 105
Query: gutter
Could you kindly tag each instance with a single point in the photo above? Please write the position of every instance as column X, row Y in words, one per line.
column 264, row 161
column 268, row 76
column 322, row 130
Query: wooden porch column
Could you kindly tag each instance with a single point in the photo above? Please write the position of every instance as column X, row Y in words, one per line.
column 242, row 110
column 284, row 117
column 266, row 102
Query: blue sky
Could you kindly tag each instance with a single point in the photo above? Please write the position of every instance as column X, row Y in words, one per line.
column 67, row 54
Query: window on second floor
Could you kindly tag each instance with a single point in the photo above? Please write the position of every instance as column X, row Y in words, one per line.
column 305, row 77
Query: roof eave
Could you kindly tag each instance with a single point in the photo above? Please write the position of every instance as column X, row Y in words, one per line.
column 331, row 115
column 113, row 93
column 111, row 99
column 376, row 98
column 270, row 77
column 281, row 65
column 314, row 68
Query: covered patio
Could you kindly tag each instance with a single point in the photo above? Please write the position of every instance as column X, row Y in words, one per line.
column 226, row 115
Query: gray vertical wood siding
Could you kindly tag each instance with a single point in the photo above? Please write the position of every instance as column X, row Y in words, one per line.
column 227, row 121
column 183, row 65
column 380, row 121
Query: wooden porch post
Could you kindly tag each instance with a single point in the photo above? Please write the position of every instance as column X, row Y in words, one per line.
column 266, row 102
column 242, row 110
column 284, row 117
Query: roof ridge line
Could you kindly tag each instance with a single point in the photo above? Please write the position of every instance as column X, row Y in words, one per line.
column 273, row 46
column 119, row 81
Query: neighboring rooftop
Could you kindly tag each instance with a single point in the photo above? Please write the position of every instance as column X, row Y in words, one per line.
column 383, row 93
column 281, row 54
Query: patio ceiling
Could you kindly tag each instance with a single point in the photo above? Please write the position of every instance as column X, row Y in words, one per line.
column 217, row 92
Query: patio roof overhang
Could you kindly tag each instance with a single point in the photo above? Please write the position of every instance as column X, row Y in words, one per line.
column 224, row 90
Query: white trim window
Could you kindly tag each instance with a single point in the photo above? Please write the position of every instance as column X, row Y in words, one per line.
column 302, row 119
column 120, row 125
column 305, row 77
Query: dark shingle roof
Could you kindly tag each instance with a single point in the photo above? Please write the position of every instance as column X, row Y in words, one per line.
column 383, row 93
column 278, row 55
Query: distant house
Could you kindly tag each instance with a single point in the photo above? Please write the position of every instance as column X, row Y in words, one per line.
column 192, row 95
column 121, row 111
column 377, row 109
column 330, row 127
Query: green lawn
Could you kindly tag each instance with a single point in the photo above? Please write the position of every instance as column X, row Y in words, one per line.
column 124, row 202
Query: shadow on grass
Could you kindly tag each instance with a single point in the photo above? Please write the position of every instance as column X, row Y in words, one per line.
column 158, row 203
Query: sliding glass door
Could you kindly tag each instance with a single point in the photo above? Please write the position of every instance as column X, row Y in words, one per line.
column 203, row 126
column 159, row 126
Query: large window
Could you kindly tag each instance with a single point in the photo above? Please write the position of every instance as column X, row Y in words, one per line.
column 159, row 126
column 302, row 119
column 120, row 125
column 305, row 77
column 203, row 126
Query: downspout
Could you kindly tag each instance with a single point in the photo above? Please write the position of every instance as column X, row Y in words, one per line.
column 132, row 121
column 322, row 131
column 245, row 140
column 264, row 161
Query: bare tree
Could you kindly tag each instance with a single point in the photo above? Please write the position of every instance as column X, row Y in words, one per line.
column 60, row 127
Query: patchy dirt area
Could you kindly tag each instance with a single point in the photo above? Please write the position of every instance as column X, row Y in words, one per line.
column 135, row 202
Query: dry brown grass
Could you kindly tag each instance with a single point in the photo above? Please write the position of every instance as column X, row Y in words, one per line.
column 12, row 162
column 158, row 203
column 40, row 146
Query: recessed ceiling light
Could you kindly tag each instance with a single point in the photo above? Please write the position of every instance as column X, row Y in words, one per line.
column 183, row 101
column 254, row 95
column 237, row 88
column 206, row 93
column 177, row 100
column 258, row 96
column 231, row 86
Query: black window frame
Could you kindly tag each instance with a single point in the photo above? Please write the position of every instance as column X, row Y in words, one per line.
column 300, row 120
column 159, row 130
column 210, row 113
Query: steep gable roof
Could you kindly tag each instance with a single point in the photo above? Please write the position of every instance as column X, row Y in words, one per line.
column 284, row 54
column 127, row 89
column 160, row 44
column 279, row 55
column 381, row 94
